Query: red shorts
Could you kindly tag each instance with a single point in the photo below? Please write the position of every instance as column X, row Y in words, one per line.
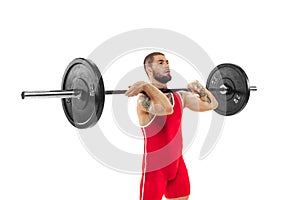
column 171, row 181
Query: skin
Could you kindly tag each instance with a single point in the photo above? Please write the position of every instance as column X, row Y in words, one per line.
column 157, row 103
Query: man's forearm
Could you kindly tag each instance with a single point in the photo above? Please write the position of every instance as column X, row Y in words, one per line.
column 160, row 104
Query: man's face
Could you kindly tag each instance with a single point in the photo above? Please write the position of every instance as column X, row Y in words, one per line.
column 161, row 70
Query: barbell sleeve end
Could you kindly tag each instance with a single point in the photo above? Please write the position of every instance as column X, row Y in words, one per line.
column 23, row 95
column 51, row 94
column 253, row 88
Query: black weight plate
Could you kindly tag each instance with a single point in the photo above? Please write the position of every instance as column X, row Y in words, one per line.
column 84, row 75
column 235, row 78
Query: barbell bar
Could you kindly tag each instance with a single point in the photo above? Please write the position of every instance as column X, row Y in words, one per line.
column 77, row 93
column 83, row 94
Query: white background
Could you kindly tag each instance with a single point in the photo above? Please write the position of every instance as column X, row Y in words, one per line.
column 41, row 155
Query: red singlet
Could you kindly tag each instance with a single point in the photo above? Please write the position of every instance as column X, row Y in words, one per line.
column 164, row 170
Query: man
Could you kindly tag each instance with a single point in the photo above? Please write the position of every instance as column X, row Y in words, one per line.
column 159, row 114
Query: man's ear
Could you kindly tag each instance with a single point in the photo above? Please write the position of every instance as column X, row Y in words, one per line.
column 149, row 70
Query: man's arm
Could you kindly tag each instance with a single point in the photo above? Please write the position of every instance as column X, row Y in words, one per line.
column 153, row 103
column 199, row 99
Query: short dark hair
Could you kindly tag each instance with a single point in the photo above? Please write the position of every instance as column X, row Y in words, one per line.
column 149, row 59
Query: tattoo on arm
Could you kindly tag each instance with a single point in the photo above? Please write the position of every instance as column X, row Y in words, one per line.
column 208, row 100
column 146, row 102
column 203, row 94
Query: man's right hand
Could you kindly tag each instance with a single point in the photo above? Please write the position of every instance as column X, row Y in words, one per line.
column 197, row 88
column 135, row 89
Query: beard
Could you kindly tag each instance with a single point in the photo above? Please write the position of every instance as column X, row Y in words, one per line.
column 162, row 79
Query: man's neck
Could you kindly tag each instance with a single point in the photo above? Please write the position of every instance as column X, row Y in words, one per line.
column 159, row 85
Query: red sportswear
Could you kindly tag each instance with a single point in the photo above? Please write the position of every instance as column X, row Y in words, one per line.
column 164, row 170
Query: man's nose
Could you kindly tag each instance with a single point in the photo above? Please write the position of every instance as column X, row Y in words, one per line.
column 166, row 64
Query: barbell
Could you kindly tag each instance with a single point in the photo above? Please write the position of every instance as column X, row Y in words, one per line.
column 83, row 93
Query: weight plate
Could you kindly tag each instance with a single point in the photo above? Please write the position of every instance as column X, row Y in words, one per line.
column 83, row 75
column 234, row 78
